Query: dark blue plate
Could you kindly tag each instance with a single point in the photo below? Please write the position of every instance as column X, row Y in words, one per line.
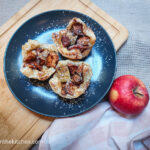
column 38, row 96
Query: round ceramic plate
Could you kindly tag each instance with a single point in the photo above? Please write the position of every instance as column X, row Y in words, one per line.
column 38, row 96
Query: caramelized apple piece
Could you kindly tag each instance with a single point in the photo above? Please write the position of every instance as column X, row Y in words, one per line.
column 30, row 57
column 77, row 79
column 52, row 60
column 65, row 41
column 77, row 29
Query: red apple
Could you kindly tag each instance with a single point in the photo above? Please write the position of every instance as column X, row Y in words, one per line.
column 128, row 95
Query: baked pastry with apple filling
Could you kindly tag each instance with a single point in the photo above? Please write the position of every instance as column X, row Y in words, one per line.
column 39, row 60
column 76, row 41
column 71, row 78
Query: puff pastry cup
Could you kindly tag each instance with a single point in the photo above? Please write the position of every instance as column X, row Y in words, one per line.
column 76, row 41
column 39, row 60
column 71, row 78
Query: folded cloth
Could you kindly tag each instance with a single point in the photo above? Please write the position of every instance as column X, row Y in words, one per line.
column 101, row 128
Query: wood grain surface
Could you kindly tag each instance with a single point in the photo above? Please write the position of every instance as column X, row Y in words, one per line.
column 16, row 121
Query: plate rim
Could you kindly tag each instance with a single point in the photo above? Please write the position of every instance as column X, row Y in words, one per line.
column 49, row 115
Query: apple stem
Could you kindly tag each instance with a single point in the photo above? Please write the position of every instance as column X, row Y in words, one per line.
column 137, row 93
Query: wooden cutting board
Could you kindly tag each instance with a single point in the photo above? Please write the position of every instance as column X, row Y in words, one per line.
column 17, row 122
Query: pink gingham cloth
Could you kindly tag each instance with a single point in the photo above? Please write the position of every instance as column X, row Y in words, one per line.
column 101, row 128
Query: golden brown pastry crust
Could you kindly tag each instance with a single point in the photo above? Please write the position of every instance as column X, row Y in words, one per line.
column 74, row 53
column 46, row 72
column 56, row 83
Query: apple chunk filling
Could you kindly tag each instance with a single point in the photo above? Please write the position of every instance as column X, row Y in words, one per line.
column 39, row 57
column 76, row 39
column 72, row 78
column 77, row 29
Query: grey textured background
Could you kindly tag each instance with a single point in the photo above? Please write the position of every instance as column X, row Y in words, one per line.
column 134, row 56
column 9, row 7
